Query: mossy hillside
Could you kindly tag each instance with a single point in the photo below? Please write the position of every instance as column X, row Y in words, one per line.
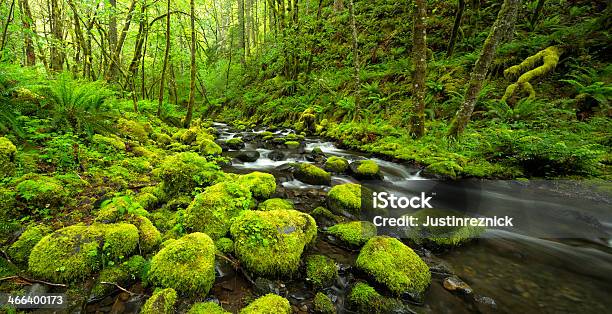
column 71, row 253
column 275, row 204
column 40, row 192
column 321, row 270
column 345, row 198
column 395, row 265
column 272, row 242
column 268, row 304
column 213, row 210
column 183, row 172
column 323, row 304
column 336, row 164
column 262, row 185
column 20, row 250
column 187, row 265
column 8, row 152
column 207, row 308
column 442, row 237
column 354, row 233
column 161, row 302
column 311, row 174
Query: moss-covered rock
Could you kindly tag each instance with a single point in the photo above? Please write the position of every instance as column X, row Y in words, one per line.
column 133, row 130
column 123, row 275
column 188, row 136
column 74, row 252
column 186, row 265
column 394, row 265
column 8, row 208
column 161, row 302
column 268, row 304
column 272, row 242
column 8, row 152
column 207, row 308
column 311, row 174
column 446, row 168
column 42, row 192
column 235, row 143
column 336, row 164
column 108, row 144
column 442, row 237
column 354, row 233
column 262, row 185
column 275, row 204
column 148, row 235
column 225, row 245
column 212, row 211
column 321, row 270
column 345, row 198
column 325, row 217
column 365, row 299
column 292, row 144
column 20, row 250
column 208, row 147
column 148, row 201
column 162, row 139
column 184, row 172
column 323, row 304
column 365, row 169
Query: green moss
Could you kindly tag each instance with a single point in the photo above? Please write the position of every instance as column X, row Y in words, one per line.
column 268, row 304
column 108, row 144
column 186, row 265
column 365, row 299
column 292, row 144
column 119, row 208
column 42, row 192
column 550, row 58
column 235, row 141
column 272, row 242
column 189, row 136
column 8, row 208
column 161, row 302
column 265, row 134
column 225, row 245
column 162, row 139
column 323, row 214
column 394, row 265
column 447, row 168
column 208, row 147
column 20, row 250
column 262, row 185
column 323, row 304
column 367, row 168
column 133, row 130
column 345, row 198
column 7, row 269
column 207, row 308
column 120, row 239
column 442, row 236
column 147, row 200
column 149, row 236
column 354, row 233
column 8, row 152
column 321, row 270
column 311, row 174
column 336, row 164
column 212, row 211
column 184, row 172
column 122, row 275
column 274, row 204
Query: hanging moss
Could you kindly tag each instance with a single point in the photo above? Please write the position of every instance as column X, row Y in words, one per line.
column 549, row 56
column 268, row 304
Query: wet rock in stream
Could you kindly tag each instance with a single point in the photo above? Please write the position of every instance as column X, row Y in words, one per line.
column 248, row 156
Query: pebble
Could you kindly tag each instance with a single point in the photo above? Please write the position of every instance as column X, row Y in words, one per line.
column 455, row 284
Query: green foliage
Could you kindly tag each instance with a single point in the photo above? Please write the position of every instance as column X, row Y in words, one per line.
column 161, row 302
column 20, row 250
column 183, row 172
column 8, row 152
column 322, row 304
column 321, row 270
column 42, row 192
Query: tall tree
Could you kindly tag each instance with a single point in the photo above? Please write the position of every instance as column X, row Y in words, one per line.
column 355, row 55
column 241, row 32
column 6, row 25
column 165, row 64
column 456, row 26
column 112, row 36
column 419, row 52
column 502, row 25
column 28, row 26
column 192, row 71
column 140, row 38
column 57, row 34
column 116, row 50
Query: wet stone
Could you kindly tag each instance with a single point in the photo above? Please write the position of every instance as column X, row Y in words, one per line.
column 455, row 284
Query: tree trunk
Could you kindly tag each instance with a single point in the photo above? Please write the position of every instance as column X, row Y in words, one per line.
column 57, row 58
column 420, row 59
column 355, row 56
column 241, row 32
column 28, row 25
column 456, row 25
column 165, row 65
column 192, row 70
column 137, row 53
column 498, row 31
column 112, row 37
column 116, row 50
column 5, row 30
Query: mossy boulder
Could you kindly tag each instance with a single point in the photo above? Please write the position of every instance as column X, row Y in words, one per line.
column 123, row 275
column 262, row 185
column 42, row 192
column 394, row 265
column 442, row 237
column 161, row 302
column 443, row 169
column 148, row 235
column 323, row 304
column 268, row 304
column 8, row 153
column 365, row 299
column 162, row 139
column 336, row 164
column 20, row 250
column 365, row 170
column 225, row 245
column 311, row 174
column 354, row 233
column 74, row 252
column 186, row 265
column 235, row 143
column 8, row 202
column 212, row 211
column 275, row 204
column 208, row 147
column 345, row 199
column 147, row 200
column 184, row 172
column 293, row 144
column 207, row 308
column 272, row 242
column 325, row 217
column 132, row 130
column 321, row 270
column 108, row 144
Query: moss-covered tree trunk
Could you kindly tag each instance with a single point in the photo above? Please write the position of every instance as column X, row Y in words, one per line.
column 192, row 70
column 498, row 31
column 165, row 65
column 28, row 25
column 355, row 56
column 241, row 32
column 456, row 25
column 419, row 53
